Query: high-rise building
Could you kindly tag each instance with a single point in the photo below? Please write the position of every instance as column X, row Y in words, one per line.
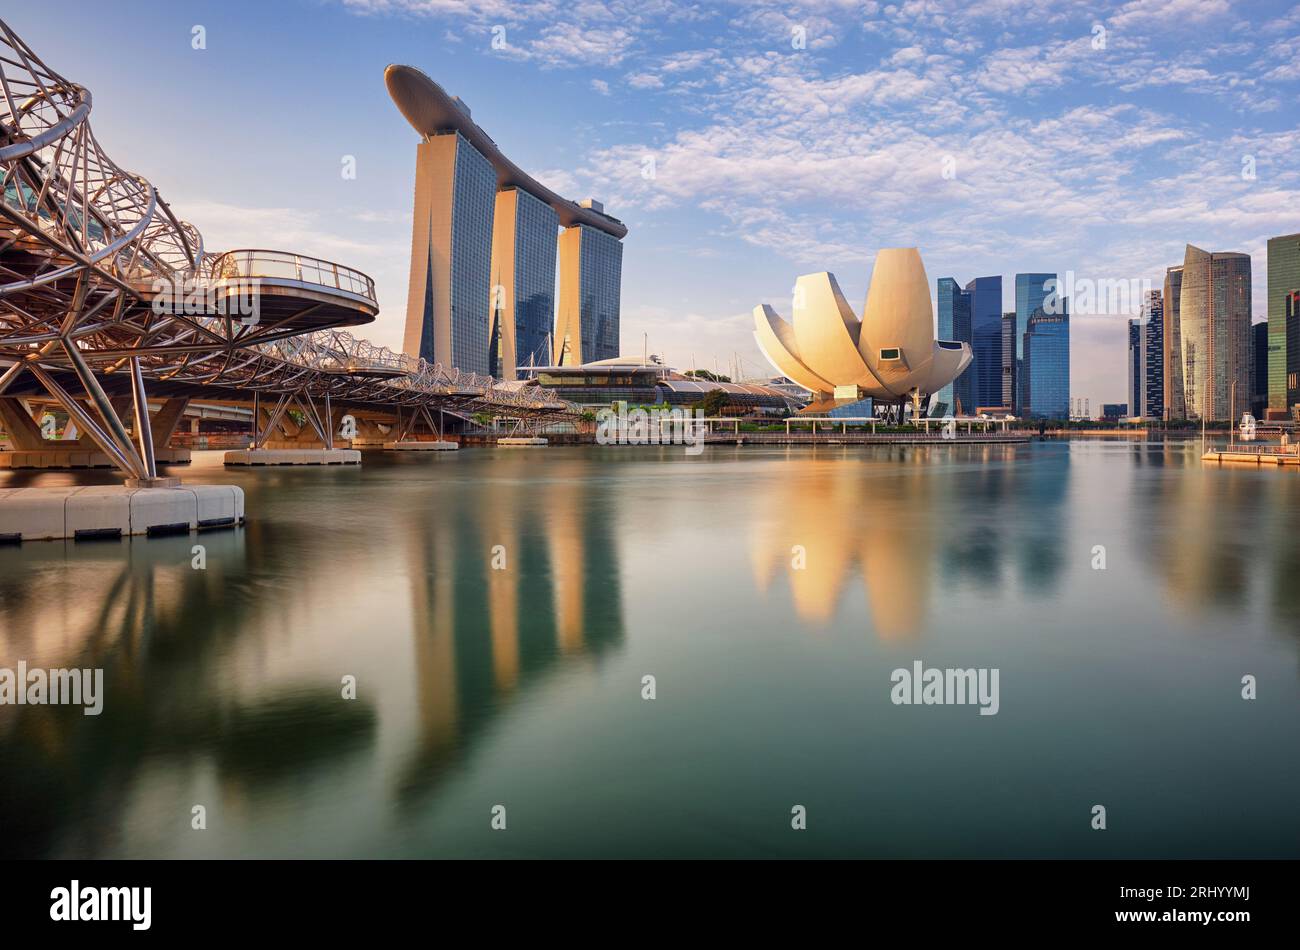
column 954, row 324
column 1032, row 290
column 1214, row 325
column 1047, row 364
column 1283, row 284
column 587, row 323
column 1174, row 401
column 1010, row 364
column 484, row 243
column 1133, row 365
column 1291, row 311
column 451, row 245
column 1153, row 360
column 986, row 339
column 523, row 282
column 1259, row 369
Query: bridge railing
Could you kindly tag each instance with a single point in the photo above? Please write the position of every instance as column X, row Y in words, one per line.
column 284, row 265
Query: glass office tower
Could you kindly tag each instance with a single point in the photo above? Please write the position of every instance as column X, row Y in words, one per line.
column 1153, row 362
column 1133, row 366
column 986, row 339
column 1283, row 282
column 1214, row 318
column 954, row 324
column 1175, row 403
column 1047, row 364
column 451, row 245
column 1010, row 364
column 1031, row 291
column 523, row 282
column 591, row 275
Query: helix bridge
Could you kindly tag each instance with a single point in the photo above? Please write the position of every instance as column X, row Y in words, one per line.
column 108, row 298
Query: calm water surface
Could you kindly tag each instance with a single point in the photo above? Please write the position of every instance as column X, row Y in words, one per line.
column 522, row 687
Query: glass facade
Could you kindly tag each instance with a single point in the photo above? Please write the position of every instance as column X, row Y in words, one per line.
column 986, row 339
column 525, row 276
column 1283, row 282
column 473, row 204
column 1031, row 291
column 1175, row 402
column 600, row 283
column 1153, row 362
column 1010, row 365
column 954, row 324
column 1215, row 329
column 1134, row 367
column 1047, row 365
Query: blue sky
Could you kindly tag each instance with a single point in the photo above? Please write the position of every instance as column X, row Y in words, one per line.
column 995, row 135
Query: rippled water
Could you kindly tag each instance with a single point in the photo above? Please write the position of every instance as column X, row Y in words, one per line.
column 522, row 687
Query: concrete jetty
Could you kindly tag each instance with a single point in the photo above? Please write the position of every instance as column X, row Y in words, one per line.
column 294, row 457
column 111, row 511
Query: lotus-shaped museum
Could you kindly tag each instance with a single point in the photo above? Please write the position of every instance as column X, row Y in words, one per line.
column 890, row 354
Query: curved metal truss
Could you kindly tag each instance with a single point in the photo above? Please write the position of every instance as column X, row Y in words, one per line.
column 88, row 251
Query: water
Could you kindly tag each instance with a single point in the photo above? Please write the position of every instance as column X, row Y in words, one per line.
column 522, row 687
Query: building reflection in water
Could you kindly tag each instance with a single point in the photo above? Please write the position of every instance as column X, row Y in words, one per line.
column 908, row 521
column 481, row 633
column 830, row 520
column 1218, row 536
column 162, row 632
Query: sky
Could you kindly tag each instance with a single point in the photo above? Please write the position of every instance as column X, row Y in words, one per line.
column 743, row 142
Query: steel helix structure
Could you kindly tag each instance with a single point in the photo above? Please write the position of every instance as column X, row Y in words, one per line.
column 105, row 293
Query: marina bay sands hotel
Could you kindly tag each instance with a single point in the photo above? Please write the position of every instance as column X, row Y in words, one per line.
column 484, row 243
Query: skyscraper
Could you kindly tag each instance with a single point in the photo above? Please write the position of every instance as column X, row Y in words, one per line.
column 1010, row 365
column 1175, row 401
column 1031, row 291
column 484, row 244
column 523, row 282
column 1259, row 369
column 587, row 323
column 1214, row 324
column 986, row 339
column 954, row 324
column 1047, row 364
column 1153, row 360
column 451, row 242
column 1133, row 365
column 1292, row 314
column 1283, row 282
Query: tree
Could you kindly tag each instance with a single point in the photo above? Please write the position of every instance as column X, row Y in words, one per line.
column 714, row 401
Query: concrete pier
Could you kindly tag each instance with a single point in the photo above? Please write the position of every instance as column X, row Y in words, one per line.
column 521, row 442
column 79, row 458
column 421, row 446
column 1253, row 455
column 294, row 457
column 111, row 511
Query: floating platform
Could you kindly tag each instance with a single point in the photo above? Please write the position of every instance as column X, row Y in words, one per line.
column 111, row 511
column 520, row 442
column 1264, row 455
column 294, row 457
column 421, row 446
column 80, row 458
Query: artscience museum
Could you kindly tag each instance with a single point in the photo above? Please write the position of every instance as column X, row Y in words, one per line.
column 890, row 355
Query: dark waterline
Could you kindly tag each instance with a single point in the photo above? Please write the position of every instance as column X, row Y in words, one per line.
column 522, row 686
